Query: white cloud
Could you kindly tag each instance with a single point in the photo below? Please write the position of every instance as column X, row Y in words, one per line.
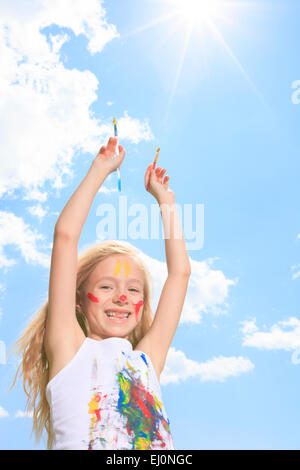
column 87, row 19
column 45, row 116
column 37, row 211
column 296, row 274
column 3, row 413
column 179, row 368
column 23, row 414
column 137, row 130
column 35, row 194
column 106, row 190
column 283, row 335
column 207, row 291
column 249, row 327
column 14, row 231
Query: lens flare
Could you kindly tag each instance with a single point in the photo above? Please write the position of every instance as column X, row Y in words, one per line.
column 194, row 11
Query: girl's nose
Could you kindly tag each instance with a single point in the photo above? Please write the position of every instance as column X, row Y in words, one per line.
column 120, row 297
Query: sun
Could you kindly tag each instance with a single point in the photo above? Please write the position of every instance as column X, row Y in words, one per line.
column 194, row 12
column 199, row 21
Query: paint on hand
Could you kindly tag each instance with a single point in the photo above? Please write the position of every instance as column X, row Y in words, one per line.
column 123, row 298
column 137, row 309
column 117, row 268
column 92, row 297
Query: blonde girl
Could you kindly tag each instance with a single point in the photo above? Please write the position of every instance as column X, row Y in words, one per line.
column 92, row 356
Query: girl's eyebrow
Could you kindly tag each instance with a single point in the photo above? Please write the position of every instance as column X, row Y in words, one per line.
column 114, row 279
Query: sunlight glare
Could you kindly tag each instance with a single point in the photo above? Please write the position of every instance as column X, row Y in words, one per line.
column 195, row 11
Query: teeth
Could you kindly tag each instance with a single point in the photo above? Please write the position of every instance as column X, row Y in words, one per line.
column 112, row 315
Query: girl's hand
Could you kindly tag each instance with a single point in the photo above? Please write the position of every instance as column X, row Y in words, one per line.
column 159, row 189
column 106, row 158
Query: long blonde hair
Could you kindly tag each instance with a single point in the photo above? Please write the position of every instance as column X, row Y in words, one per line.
column 34, row 364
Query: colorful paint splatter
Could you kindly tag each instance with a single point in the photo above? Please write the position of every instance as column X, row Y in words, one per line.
column 130, row 416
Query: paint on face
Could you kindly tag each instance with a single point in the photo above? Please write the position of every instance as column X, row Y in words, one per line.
column 137, row 309
column 119, row 266
column 92, row 297
column 123, row 298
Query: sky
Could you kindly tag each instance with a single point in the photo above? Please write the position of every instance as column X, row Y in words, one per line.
column 218, row 90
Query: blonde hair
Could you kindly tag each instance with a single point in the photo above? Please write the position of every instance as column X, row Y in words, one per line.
column 34, row 364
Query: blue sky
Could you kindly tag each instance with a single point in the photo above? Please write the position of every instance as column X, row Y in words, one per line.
column 217, row 96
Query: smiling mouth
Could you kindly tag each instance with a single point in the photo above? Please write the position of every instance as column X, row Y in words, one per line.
column 118, row 317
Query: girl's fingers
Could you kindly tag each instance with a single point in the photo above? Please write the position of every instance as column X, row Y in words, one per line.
column 166, row 180
column 148, row 174
column 161, row 174
column 121, row 150
column 112, row 143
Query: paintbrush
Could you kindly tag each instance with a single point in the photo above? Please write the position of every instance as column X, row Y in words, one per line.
column 153, row 167
column 118, row 169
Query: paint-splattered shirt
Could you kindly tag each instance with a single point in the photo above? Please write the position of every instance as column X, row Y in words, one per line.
column 108, row 397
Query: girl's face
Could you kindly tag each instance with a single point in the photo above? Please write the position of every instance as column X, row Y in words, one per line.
column 114, row 296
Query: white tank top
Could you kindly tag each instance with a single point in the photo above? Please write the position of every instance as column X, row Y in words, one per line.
column 108, row 397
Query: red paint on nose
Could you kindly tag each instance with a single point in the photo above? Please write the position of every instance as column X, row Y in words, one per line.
column 123, row 298
column 137, row 309
column 92, row 297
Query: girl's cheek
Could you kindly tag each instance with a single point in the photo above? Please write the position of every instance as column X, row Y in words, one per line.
column 92, row 297
column 137, row 308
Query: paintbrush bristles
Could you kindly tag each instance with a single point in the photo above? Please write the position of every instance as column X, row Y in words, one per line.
column 115, row 127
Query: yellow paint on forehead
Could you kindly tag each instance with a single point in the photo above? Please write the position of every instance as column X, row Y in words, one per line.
column 118, row 268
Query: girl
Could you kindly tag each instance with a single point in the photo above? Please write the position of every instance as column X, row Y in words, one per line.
column 92, row 356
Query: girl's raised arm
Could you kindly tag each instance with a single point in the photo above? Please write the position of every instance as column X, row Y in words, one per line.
column 63, row 335
column 158, row 339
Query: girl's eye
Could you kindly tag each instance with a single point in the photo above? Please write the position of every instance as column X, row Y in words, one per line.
column 108, row 287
